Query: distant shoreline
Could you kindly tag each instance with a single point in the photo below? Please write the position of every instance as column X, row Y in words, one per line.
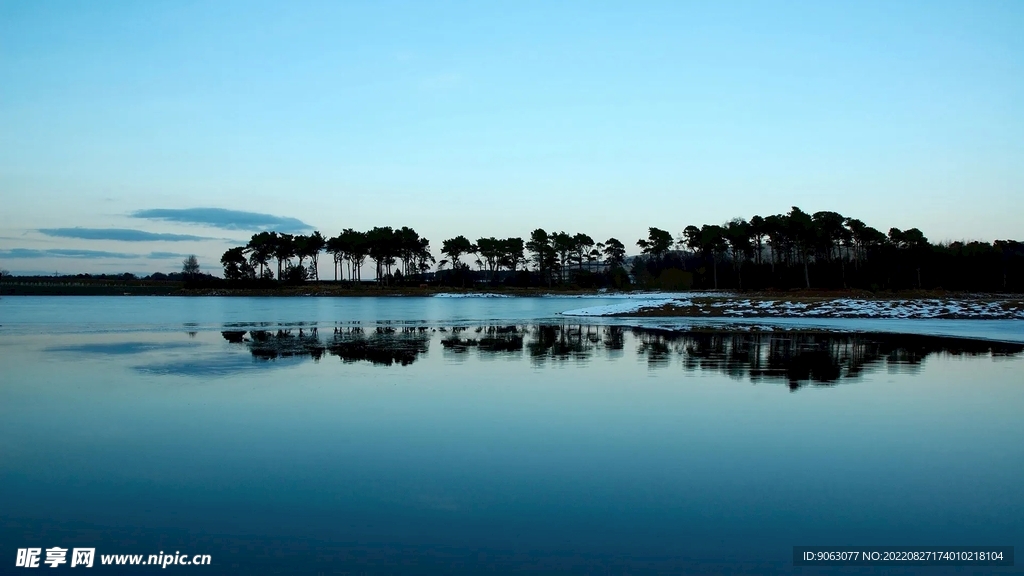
column 701, row 303
column 321, row 290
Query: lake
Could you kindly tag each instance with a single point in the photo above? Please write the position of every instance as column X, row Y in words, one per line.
column 493, row 435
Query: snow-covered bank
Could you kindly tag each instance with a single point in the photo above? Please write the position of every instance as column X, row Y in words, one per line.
column 820, row 308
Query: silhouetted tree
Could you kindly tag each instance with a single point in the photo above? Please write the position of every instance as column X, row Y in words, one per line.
column 713, row 242
column 803, row 234
column 490, row 249
column 757, row 234
column 383, row 248
column 314, row 245
column 283, row 246
column 562, row 244
column 236, row 267
column 657, row 243
column 543, row 253
column 614, row 253
column 190, row 267
column 512, row 253
column 582, row 244
column 261, row 249
column 737, row 235
column 455, row 249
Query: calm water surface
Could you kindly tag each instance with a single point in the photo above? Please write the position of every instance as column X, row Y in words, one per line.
column 417, row 435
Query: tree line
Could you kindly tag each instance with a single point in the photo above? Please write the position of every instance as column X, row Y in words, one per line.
column 401, row 254
column 788, row 250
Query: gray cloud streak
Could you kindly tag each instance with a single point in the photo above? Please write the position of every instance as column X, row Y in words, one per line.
column 25, row 253
column 225, row 219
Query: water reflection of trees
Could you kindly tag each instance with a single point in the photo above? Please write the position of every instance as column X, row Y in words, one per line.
column 381, row 345
column 487, row 339
column 794, row 357
column 821, row 358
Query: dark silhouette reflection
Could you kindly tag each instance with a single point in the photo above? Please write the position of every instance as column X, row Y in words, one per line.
column 794, row 357
column 493, row 340
column 382, row 345
column 564, row 342
column 819, row 358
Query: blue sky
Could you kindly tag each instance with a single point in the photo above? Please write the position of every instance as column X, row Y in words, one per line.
column 494, row 118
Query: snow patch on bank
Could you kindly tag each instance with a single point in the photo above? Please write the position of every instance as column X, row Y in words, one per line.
column 472, row 295
column 642, row 295
column 622, row 308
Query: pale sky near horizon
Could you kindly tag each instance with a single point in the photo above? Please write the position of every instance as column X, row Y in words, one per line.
column 495, row 118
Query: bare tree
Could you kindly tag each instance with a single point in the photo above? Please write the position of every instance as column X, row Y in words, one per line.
column 190, row 267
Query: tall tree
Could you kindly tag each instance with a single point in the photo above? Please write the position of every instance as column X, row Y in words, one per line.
column 261, row 250
column 778, row 243
column 614, row 252
column 803, row 233
column 382, row 247
column 912, row 244
column 543, row 253
column 300, row 247
column 408, row 241
column 582, row 244
column 315, row 244
column 284, row 250
column 359, row 249
column 336, row 249
column 512, row 253
column 422, row 256
column 737, row 235
column 713, row 242
column 490, row 249
column 455, row 249
column 757, row 234
column 562, row 244
column 657, row 243
column 190, row 267
column 236, row 267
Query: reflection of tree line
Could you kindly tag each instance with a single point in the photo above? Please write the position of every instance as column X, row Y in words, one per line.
column 486, row 339
column 821, row 358
column 795, row 357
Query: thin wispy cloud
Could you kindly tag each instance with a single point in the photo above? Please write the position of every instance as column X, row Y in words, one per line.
column 119, row 234
column 225, row 219
column 26, row 253
column 165, row 255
